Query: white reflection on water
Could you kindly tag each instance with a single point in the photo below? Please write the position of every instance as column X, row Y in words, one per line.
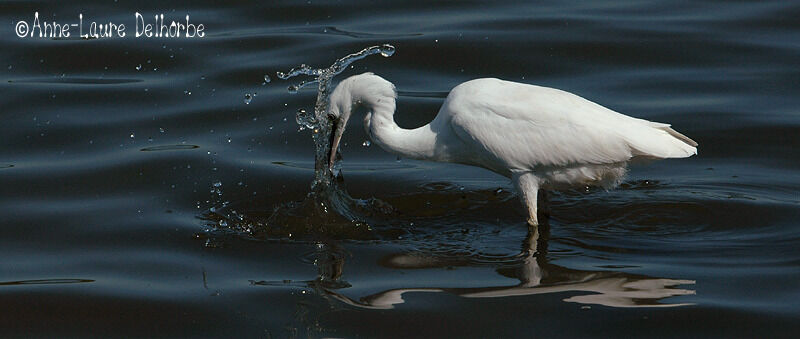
column 535, row 275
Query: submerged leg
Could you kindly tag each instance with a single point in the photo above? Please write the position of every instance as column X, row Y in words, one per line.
column 527, row 186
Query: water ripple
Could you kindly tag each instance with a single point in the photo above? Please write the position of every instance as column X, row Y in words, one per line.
column 168, row 148
column 45, row 282
column 324, row 30
column 76, row 81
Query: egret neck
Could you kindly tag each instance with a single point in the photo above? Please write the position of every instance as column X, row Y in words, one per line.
column 378, row 96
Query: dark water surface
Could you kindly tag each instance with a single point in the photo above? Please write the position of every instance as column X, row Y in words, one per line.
column 137, row 183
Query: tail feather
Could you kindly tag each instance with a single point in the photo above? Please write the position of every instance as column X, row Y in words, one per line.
column 662, row 142
column 679, row 136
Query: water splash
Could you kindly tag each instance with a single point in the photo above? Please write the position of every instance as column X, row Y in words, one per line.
column 305, row 119
column 327, row 211
column 328, row 203
column 323, row 179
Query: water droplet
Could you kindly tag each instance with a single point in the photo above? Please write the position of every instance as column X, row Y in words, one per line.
column 292, row 89
column 202, row 77
column 267, row 78
column 218, row 184
column 247, row 98
column 305, row 120
column 229, row 139
column 387, row 50
column 139, row 67
column 366, row 143
column 187, row 92
column 161, row 129
column 132, row 135
column 9, row 67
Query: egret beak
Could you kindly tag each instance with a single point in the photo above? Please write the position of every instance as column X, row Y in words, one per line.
column 336, row 137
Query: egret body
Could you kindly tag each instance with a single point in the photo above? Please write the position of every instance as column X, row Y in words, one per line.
column 540, row 137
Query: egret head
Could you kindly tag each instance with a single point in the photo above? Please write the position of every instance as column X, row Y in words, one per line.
column 367, row 89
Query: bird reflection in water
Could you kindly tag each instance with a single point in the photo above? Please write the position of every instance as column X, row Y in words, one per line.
column 535, row 275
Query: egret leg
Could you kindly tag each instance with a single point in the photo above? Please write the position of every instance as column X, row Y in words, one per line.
column 544, row 203
column 527, row 186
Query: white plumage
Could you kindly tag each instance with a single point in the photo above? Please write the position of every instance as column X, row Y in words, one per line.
column 540, row 137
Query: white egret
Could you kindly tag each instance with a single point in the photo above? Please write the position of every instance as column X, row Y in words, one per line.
column 540, row 137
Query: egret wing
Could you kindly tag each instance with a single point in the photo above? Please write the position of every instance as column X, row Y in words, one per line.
column 520, row 126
